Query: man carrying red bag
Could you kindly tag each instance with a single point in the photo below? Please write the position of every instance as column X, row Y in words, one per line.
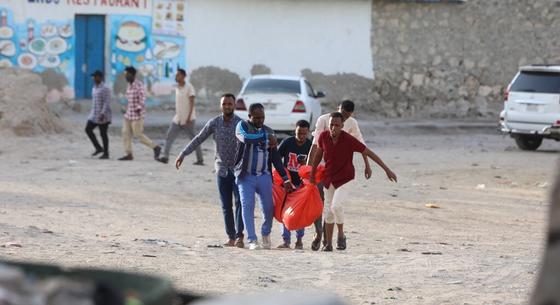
column 293, row 151
column 337, row 147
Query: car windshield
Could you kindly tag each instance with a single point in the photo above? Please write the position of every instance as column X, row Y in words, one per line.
column 273, row 86
column 541, row 82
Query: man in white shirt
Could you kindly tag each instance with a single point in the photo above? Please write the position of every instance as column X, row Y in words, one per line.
column 184, row 118
column 346, row 108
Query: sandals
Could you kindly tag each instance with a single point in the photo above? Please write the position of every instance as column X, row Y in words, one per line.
column 341, row 243
column 327, row 248
column 316, row 242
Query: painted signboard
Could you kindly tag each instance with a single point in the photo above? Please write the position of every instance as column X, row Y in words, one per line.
column 139, row 7
column 169, row 17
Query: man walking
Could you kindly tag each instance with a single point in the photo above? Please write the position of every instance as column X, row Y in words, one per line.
column 257, row 144
column 185, row 115
column 133, row 123
column 337, row 147
column 222, row 127
column 346, row 108
column 293, row 151
column 100, row 115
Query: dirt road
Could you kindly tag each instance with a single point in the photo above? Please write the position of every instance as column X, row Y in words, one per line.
column 482, row 246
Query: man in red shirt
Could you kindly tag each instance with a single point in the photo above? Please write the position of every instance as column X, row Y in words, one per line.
column 337, row 147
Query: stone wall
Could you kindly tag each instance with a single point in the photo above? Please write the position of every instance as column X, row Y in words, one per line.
column 454, row 60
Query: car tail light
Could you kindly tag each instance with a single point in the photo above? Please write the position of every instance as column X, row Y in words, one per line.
column 506, row 94
column 557, row 123
column 240, row 104
column 299, row 107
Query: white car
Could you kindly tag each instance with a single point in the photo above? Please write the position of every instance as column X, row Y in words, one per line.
column 286, row 100
column 532, row 106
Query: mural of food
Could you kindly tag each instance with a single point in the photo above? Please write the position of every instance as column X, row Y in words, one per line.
column 131, row 37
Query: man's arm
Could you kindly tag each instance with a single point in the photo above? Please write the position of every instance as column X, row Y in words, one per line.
column 206, row 131
column 106, row 103
column 279, row 166
column 315, row 162
column 191, row 108
column 245, row 137
column 368, row 153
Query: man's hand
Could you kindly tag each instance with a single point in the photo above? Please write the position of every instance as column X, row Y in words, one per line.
column 179, row 161
column 288, row 186
column 391, row 175
column 367, row 172
column 272, row 142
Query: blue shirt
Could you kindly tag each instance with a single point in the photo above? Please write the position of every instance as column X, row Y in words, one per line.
column 253, row 152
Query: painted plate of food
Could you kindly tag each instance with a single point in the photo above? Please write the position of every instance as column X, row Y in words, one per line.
column 27, row 61
column 56, row 46
column 37, row 46
column 7, row 48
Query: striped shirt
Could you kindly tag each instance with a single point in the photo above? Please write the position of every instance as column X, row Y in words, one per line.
column 224, row 139
column 253, row 152
column 136, row 96
column 101, row 104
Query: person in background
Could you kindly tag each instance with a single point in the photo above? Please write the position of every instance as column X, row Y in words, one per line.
column 133, row 123
column 100, row 115
column 184, row 119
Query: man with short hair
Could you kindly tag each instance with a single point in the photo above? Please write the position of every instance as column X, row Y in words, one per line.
column 293, row 151
column 222, row 128
column 100, row 115
column 256, row 145
column 346, row 108
column 185, row 115
column 337, row 147
column 133, row 123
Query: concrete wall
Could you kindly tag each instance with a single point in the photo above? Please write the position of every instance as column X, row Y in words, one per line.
column 454, row 60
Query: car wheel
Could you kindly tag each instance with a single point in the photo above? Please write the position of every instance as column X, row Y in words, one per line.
column 528, row 142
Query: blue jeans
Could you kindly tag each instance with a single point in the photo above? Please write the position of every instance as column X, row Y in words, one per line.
column 228, row 190
column 248, row 186
column 287, row 234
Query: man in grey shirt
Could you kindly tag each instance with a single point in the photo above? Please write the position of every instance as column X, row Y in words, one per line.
column 222, row 127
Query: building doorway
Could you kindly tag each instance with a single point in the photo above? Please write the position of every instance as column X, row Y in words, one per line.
column 90, row 51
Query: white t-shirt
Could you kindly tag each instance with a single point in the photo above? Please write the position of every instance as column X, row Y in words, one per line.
column 350, row 126
column 182, row 105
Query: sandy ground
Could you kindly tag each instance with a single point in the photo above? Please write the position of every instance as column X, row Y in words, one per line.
column 66, row 208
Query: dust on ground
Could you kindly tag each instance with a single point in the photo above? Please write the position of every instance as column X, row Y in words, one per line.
column 481, row 246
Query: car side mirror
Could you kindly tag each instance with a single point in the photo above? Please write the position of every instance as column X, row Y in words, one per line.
column 320, row 94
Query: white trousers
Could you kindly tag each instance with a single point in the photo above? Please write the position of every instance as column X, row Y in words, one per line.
column 334, row 200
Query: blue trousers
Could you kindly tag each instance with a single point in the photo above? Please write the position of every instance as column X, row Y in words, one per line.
column 261, row 185
column 287, row 234
column 228, row 192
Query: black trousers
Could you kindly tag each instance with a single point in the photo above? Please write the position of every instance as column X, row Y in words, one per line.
column 103, row 132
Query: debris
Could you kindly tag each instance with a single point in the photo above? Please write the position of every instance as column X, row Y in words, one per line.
column 432, row 206
column 474, row 164
column 481, row 187
column 395, row 289
column 214, row 246
column 404, row 250
column 443, row 188
column 543, row 185
column 455, row 283
column 12, row 244
column 148, row 255
column 46, row 231
column 431, row 253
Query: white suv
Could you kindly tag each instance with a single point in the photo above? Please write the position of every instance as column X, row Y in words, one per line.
column 532, row 106
column 286, row 100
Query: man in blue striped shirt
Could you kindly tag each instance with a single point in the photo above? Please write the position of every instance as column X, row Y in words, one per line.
column 257, row 145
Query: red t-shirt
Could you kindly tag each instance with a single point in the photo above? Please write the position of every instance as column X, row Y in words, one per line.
column 338, row 156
